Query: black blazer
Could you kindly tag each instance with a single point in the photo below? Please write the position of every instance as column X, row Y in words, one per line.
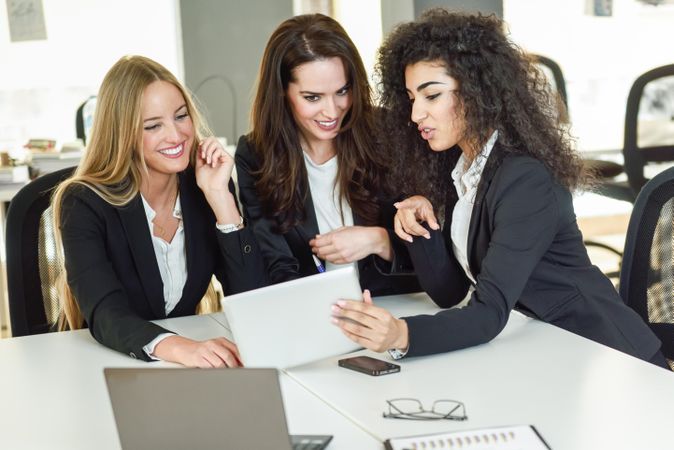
column 288, row 256
column 112, row 268
column 527, row 253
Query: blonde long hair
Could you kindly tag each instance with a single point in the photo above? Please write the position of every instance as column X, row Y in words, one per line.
column 113, row 166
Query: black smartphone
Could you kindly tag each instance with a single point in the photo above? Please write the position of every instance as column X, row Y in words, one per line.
column 370, row 366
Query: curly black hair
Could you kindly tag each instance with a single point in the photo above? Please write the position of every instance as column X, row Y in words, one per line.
column 500, row 88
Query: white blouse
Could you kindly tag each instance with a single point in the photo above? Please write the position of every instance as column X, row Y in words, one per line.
column 171, row 257
column 172, row 263
column 465, row 182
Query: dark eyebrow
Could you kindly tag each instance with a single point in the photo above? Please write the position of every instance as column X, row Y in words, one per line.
column 347, row 85
column 423, row 86
column 157, row 118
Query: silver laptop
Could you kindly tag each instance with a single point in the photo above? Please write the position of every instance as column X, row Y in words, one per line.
column 201, row 409
column 288, row 324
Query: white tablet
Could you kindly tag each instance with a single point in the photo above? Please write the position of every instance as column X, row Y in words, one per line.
column 289, row 324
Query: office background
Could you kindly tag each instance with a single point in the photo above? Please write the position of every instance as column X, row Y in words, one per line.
column 215, row 47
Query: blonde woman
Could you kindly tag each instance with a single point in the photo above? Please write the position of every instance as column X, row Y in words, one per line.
column 148, row 217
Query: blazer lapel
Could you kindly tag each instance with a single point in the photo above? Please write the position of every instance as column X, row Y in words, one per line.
column 135, row 225
column 195, row 253
column 452, row 196
column 309, row 228
column 310, row 224
column 491, row 166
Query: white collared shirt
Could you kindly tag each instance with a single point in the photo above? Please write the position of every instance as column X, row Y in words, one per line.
column 172, row 263
column 171, row 257
column 466, row 182
column 326, row 198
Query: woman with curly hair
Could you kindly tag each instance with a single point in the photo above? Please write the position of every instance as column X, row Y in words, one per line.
column 480, row 146
column 311, row 176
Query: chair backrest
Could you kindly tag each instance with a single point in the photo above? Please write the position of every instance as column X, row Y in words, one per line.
column 31, row 257
column 647, row 275
column 649, row 123
column 84, row 118
column 557, row 82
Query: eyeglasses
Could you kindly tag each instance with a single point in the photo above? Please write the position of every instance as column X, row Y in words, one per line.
column 412, row 409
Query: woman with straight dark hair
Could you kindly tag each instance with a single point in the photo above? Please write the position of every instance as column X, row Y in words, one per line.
column 310, row 173
column 481, row 146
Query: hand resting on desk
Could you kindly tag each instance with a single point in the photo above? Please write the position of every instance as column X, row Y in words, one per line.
column 218, row 352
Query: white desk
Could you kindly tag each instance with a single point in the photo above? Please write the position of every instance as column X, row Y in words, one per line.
column 53, row 394
column 579, row 394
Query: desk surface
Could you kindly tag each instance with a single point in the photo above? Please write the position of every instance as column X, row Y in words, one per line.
column 579, row 394
column 53, row 394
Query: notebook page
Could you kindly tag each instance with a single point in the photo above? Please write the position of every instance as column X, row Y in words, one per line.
column 520, row 437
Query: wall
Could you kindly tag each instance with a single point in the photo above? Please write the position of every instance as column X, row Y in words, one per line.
column 394, row 12
column 43, row 82
column 223, row 42
column 484, row 6
column 363, row 22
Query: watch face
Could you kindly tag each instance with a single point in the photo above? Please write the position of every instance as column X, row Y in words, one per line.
column 395, row 353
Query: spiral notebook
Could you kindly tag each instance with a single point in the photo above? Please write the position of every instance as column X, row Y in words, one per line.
column 520, row 437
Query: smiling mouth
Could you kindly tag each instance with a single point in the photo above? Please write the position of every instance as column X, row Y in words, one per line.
column 173, row 152
column 328, row 125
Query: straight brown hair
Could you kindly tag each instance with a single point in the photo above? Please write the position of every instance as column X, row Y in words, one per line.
column 282, row 183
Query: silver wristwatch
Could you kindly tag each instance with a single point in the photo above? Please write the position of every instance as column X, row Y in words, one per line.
column 230, row 227
column 396, row 354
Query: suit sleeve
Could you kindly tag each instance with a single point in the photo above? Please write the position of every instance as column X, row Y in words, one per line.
column 525, row 216
column 280, row 262
column 438, row 270
column 395, row 276
column 95, row 284
column 242, row 267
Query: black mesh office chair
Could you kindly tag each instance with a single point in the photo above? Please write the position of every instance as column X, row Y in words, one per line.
column 649, row 130
column 647, row 276
column 31, row 257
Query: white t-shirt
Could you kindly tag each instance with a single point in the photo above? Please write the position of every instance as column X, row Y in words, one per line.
column 326, row 198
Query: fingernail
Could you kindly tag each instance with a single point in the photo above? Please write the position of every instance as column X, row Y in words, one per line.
column 427, row 236
column 335, row 308
column 334, row 320
column 409, row 239
column 341, row 303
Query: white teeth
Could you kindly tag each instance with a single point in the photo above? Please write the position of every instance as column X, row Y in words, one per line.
column 426, row 130
column 327, row 124
column 172, row 151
